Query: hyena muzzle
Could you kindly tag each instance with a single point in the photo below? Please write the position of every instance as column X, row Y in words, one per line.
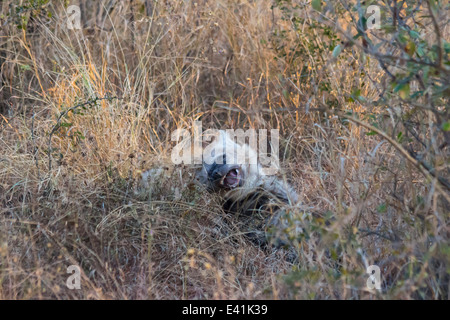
column 261, row 202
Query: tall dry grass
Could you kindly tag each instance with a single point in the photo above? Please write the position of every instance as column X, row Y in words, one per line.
column 69, row 185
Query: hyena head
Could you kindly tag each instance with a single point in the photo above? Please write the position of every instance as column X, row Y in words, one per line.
column 228, row 165
column 232, row 170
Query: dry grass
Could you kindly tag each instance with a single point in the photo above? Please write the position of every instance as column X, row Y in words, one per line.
column 219, row 62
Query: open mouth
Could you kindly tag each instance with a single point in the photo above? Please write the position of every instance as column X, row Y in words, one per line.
column 232, row 178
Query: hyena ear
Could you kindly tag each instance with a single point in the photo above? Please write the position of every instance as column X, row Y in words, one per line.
column 201, row 177
column 210, row 136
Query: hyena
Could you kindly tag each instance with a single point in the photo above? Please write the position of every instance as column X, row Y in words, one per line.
column 261, row 202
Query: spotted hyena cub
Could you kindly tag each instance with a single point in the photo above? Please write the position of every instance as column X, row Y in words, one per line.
column 262, row 202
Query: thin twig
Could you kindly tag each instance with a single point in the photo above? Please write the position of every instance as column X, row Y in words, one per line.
column 63, row 114
column 441, row 186
column 36, row 149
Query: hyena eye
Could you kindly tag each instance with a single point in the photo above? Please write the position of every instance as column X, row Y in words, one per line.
column 232, row 179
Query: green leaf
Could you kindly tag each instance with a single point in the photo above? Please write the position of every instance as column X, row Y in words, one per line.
column 417, row 94
column 414, row 34
column 420, row 51
column 402, row 38
column 382, row 208
column 25, row 67
column 337, row 50
column 371, row 133
column 410, row 48
column 317, row 5
column 66, row 124
column 447, row 47
column 446, row 126
column 80, row 135
column 362, row 24
column 403, row 90
column 356, row 96
column 388, row 28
